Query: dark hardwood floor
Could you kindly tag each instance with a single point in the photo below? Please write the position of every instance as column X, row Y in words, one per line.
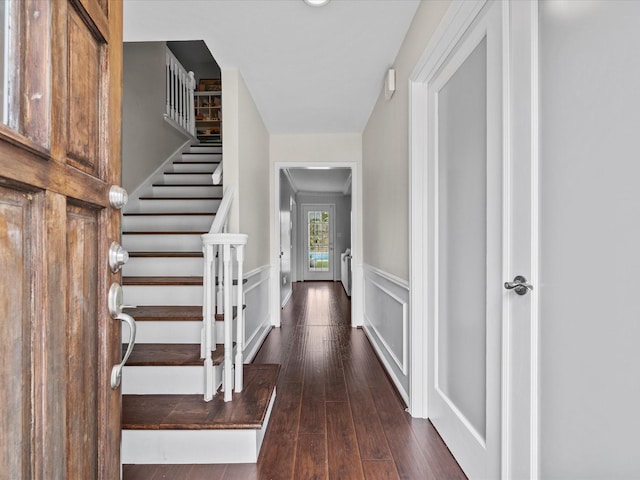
column 336, row 414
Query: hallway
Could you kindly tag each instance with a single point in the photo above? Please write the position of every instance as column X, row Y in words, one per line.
column 336, row 414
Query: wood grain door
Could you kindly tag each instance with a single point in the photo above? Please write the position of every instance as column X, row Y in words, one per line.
column 59, row 156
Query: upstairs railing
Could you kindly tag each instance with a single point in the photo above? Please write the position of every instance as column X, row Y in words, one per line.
column 223, row 260
column 180, row 86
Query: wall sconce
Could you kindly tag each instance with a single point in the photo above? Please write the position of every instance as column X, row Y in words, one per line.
column 316, row 3
column 389, row 84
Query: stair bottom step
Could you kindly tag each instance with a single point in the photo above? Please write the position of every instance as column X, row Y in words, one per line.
column 190, row 412
column 183, row 429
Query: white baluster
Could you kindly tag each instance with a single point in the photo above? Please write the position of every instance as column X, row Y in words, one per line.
column 228, row 324
column 206, row 317
column 168, row 83
column 191, row 124
column 239, row 322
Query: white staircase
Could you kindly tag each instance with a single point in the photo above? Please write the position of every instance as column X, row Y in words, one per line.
column 163, row 287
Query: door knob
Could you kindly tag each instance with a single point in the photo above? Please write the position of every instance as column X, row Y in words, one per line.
column 118, row 256
column 118, row 197
column 519, row 284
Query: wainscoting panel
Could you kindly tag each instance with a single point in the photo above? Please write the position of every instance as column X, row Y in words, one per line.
column 257, row 319
column 386, row 323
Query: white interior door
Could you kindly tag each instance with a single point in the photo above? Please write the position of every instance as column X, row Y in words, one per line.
column 466, row 196
column 318, row 222
column 590, row 232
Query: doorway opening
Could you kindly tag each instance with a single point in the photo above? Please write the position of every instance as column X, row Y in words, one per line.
column 315, row 210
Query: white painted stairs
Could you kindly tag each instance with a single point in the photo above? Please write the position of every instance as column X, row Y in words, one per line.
column 165, row 417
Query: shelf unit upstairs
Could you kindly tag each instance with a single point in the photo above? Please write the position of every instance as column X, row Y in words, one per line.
column 208, row 111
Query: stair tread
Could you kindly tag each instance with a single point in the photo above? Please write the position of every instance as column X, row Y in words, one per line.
column 156, row 280
column 165, row 254
column 171, row 355
column 166, row 312
column 167, row 280
column 182, row 198
column 187, row 173
column 175, row 214
column 197, row 162
column 185, row 184
column 173, row 232
column 190, row 412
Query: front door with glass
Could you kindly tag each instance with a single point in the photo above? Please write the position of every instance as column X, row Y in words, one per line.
column 318, row 242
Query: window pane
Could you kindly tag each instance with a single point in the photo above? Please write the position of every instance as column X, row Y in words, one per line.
column 318, row 228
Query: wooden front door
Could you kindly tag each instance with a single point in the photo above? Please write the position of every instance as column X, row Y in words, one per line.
column 59, row 156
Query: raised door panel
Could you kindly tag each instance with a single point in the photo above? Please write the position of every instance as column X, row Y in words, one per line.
column 84, row 91
column 16, row 313
column 82, row 342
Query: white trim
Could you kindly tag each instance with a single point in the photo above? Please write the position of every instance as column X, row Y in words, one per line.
column 393, row 290
column 287, row 298
column 402, row 364
column 151, row 179
column 459, row 15
column 388, row 276
column 179, row 128
column 357, row 285
column 255, row 279
column 505, row 413
column 287, row 173
column 534, row 438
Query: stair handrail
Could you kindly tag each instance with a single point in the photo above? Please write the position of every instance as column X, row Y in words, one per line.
column 180, row 85
column 219, row 248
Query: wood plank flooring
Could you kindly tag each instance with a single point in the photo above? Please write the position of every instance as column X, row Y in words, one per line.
column 336, row 414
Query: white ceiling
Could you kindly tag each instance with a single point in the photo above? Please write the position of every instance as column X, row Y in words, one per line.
column 334, row 180
column 309, row 69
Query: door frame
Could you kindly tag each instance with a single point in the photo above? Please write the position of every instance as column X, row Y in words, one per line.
column 519, row 431
column 305, row 245
column 357, row 282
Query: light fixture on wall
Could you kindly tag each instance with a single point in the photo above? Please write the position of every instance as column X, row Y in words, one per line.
column 389, row 83
column 316, row 3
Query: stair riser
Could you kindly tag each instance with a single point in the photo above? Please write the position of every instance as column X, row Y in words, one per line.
column 178, row 206
column 204, row 153
column 190, row 446
column 194, row 167
column 163, row 267
column 171, row 332
column 162, row 295
column 162, row 243
column 166, row 380
column 200, row 157
column 187, row 178
column 162, row 223
column 194, row 446
column 187, row 191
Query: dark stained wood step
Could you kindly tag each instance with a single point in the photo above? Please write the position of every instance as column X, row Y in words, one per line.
column 174, row 214
column 190, row 412
column 146, row 232
column 186, row 184
column 161, row 280
column 182, row 198
column 167, row 313
column 187, row 173
column 197, row 162
column 170, row 355
column 166, row 254
column 143, row 280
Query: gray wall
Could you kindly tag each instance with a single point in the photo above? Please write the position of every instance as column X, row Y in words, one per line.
column 147, row 139
column 287, row 196
column 385, row 155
